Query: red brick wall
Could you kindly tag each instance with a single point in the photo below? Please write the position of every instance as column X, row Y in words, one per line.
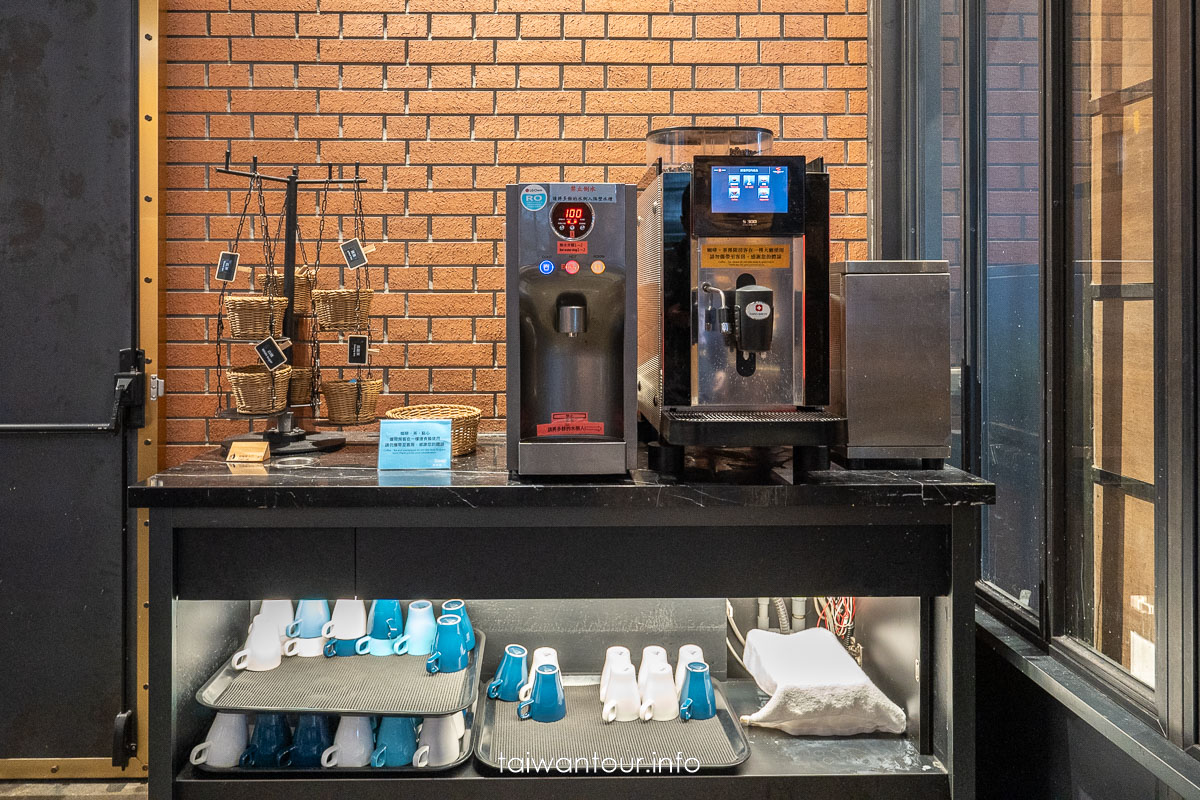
column 447, row 101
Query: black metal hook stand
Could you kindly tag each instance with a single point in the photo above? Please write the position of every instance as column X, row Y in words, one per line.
column 293, row 181
column 284, row 438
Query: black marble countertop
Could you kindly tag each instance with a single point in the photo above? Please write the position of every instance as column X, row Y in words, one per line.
column 348, row 478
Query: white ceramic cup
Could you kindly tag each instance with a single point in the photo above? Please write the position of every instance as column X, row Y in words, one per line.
column 439, row 742
column 543, row 655
column 348, row 621
column 352, row 744
column 227, row 738
column 687, row 654
column 263, row 650
column 651, row 656
column 279, row 613
column 623, row 702
column 307, row 648
column 613, row 655
column 459, row 723
column 659, row 700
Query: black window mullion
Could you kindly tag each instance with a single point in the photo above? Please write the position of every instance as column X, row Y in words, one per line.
column 1057, row 301
column 1176, row 223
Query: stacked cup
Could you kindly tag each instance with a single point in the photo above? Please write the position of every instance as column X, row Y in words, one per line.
column 352, row 630
column 264, row 648
column 651, row 692
column 307, row 627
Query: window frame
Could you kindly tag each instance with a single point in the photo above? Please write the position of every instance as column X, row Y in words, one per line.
column 1174, row 704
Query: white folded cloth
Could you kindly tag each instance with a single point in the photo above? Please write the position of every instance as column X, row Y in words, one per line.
column 816, row 687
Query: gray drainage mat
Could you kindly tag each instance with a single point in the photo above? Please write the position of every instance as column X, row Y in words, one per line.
column 397, row 685
column 581, row 742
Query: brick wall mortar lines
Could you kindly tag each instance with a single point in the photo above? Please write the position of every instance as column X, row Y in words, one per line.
column 444, row 102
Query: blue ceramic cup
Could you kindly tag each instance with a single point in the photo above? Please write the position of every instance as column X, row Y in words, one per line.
column 395, row 742
column 312, row 738
column 696, row 699
column 460, row 608
column 546, row 703
column 384, row 624
column 311, row 616
column 341, row 647
column 386, row 619
column 510, row 675
column 269, row 742
column 418, row 632
column 450, row 652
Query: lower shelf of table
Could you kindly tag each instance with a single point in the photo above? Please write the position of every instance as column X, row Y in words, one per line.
column 851, row 768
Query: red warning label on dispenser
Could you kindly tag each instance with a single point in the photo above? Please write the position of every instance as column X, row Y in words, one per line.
column 570, row 423
column 573, row 247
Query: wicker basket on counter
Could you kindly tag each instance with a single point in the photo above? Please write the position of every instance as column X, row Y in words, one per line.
column 300, row 390
column 255, row 316
column 258, row 390
column 350, row 401
column 301, row 293
column 464, row 422
column 342, row 309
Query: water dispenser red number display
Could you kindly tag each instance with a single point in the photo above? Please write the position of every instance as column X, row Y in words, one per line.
column 571, row 220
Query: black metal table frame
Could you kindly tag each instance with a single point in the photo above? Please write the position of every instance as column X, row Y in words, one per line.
column 918, row 550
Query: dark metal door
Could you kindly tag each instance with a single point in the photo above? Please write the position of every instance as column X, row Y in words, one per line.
column 67, row 309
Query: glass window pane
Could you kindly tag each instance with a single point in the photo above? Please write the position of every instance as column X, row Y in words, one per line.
column 1011, row 338
column 1111, row 415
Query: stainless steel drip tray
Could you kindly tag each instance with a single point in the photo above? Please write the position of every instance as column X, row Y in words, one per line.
column 393, row 685
column 582, row 743
column 735, row 428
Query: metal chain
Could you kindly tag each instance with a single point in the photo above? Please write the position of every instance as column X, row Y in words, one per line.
column 237, row 238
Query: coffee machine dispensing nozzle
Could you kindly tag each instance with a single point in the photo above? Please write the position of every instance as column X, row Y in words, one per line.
column 724, row 314
column 572, row 314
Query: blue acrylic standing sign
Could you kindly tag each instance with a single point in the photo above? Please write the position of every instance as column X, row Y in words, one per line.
column 414, row 444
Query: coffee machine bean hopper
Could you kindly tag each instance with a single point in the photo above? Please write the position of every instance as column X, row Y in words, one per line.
column 733, row 298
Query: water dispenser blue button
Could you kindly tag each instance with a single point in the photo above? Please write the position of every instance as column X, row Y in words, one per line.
column 546, row 267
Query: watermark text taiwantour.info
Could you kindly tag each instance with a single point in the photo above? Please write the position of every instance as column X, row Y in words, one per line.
column 653, row 764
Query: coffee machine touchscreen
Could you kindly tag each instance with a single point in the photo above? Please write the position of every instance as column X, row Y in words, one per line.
column 747, row 189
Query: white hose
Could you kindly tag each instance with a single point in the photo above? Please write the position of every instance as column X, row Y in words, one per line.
column 785, row 624
column 732, row 624
column 733, row 653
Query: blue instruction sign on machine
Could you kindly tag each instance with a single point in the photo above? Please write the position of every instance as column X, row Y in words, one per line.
column 414, row 444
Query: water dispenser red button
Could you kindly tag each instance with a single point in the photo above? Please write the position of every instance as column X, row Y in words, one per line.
column 571, row 267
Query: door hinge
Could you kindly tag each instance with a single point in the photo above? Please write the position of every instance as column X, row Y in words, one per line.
column 124, row 741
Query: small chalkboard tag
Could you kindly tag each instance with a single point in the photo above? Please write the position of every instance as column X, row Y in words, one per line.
column 227, row 266
column 356, row 348
column 352, row 251
column 271, row 354
column 252, row 451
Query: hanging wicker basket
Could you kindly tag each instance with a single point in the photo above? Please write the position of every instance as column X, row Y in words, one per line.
column 351, row 402
column 464, row 422
column 300, row 389
column 258, row 390
column 342, row 309
column 255, row 316
column 302, row 288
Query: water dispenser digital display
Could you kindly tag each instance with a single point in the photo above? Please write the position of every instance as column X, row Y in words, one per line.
column 571, row 220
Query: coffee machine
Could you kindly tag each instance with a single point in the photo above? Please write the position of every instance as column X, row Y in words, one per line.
column 733, row 296
column 570, row 278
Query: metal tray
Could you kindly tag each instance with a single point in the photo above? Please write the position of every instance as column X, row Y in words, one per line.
column 715, row 744
column 385, row 685
column 469, row 718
